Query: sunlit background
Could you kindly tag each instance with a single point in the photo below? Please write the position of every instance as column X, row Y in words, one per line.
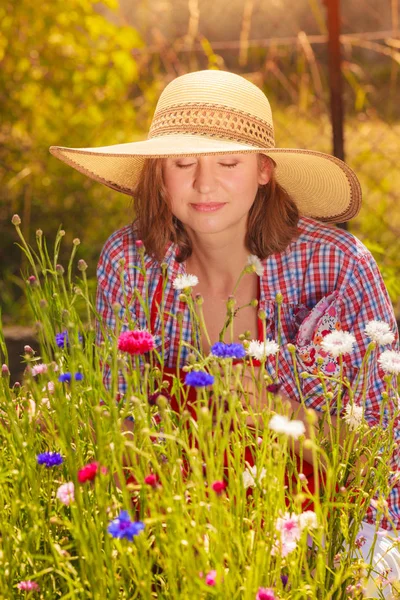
column 83, row 73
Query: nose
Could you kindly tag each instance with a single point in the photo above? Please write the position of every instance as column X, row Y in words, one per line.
column 204, row 181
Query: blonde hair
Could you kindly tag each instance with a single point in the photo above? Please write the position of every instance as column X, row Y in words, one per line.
column 271, row 225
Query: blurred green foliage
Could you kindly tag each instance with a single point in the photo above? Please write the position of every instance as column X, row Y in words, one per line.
column 77, row 74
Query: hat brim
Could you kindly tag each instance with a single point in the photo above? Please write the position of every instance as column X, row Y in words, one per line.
column 322, row 186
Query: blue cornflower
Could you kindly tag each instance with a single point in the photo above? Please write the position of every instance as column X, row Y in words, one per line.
column 66, row 377
column 62, row 339
column 199, row 379
column 223, row 350
column 123, row 527
column 50, row 459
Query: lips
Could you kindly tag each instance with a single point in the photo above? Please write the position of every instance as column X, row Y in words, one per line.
column 208, row 206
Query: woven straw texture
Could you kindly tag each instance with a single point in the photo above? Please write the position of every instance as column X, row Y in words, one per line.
column 215, row 112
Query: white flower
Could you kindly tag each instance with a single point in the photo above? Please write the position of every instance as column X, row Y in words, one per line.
column 256, row 262
column 289, row 528
column 181, row 282
column 389, row 361
column 260, row 350
column 282, row 424
column 379, row 332
column 338, row 342
column 308, row 520
column 251, row 477
column 353, row 416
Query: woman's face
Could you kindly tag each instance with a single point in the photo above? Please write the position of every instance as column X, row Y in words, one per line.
column 212, row 194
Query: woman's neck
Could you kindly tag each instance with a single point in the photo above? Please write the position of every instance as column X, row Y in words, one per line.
column 218, row 266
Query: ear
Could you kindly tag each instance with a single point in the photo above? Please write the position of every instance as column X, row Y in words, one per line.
column 265, row 169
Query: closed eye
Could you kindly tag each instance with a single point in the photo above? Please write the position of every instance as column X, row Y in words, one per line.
column 230, row 166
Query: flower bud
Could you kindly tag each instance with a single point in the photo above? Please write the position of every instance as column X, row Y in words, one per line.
column 82, row 266
column 32, row 281
column 76, row 241
column 262, row 315
column 29, row 350
column 16, row 220
column 43, row 303
column 199, row 299
column 39, row 233
column 139, row 244
column 279, row 298
column 5, row 372
column 254, row 303
column 61, row 233
column 60, row 269
column 182, row 297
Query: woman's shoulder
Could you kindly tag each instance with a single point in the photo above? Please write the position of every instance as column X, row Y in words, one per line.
column 325, row 237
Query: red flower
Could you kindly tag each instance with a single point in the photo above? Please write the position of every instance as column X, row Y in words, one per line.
column 151, row 480
column 89, row 472
column 219, row 487
column 136, row 342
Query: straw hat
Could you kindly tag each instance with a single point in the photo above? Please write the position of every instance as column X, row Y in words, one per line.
column 217, row 112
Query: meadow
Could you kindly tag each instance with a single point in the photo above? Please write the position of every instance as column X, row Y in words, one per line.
column 149, row 494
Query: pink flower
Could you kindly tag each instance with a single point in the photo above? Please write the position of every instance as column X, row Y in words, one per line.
column 211, row 577
column 39, row 369
column 89, row 472
column 66, row 493
column 219, row 487
column 28, row 586
column 136, row 342
column 265, row 594
column 288, row 525
column 151, row 480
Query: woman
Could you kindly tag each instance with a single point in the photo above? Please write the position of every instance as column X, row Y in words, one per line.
column 211, row 189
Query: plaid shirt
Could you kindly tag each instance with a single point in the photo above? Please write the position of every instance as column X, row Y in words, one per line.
column 322, row 260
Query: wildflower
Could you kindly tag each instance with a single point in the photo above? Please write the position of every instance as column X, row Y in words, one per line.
column 139, row 244
column 182, row 282
column 289, row 528
column 66, row 377
column 29, row 350
column 308, row 520
column 88, row 472
column 137, row 341
column 222, row 350
column 50, row 459
column 211, row 578
column 16, row 220
column 5, row 371
column 39, row 369
column 257, row 264
column 151, row 480
column 284, row 579
column 28, row 586
column 282, row 424
column 251, row 478
column 353, row 416
column 389, row 361
column 82, row 265
column 122, row 527
column 219, row 487
column 153, row 398
column 199, row 379
column 360, row 541
column 379, row 332
column 338, row 342
column 66, row 493
column 32, row 281
column 265, row 594
column 62, row 339
column 261, row 350
column 273, row 388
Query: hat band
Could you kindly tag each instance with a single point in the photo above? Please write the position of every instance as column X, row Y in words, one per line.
column 212, row 120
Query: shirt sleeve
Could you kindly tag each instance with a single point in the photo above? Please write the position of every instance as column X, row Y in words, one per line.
column 112, row 279
column 363, row 298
